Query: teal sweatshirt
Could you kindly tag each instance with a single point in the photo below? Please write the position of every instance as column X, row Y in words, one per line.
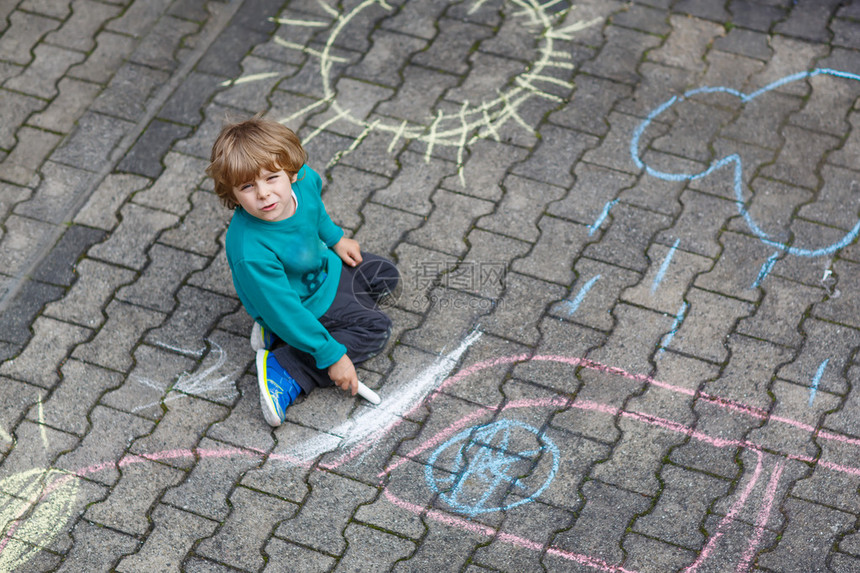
column 286, row 274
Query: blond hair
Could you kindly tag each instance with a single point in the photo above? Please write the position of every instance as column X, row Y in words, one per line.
column 242, row 150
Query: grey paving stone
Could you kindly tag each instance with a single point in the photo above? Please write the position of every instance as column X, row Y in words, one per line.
column 624, row 236
column 419, row 90
column 647, row 554
column 252, row 519
column 782, row 299
column 452, row 216
column 18, row 397
column 594, row 294
column 20, row 243
column 160, row 46
column 755, row 15
column 129, row 91
column 621, row 51
column 283, row 556
column 242, row 424
column 670, row 273
column 179, row 430
column 793, row 402
column 113, row 344
column 59, row 266
column 347, row 191
column 192, row 319
column 746, row 256
column 104, row 203
column 836, row 492
column 21, row 165
column 129, row 242
column 148, row 382
column 79, row 30
column 552, row 257
column 707, row 322
column 520, row 208
column 701, row 9
column 51, row 342
column 823, row 340
column 23, row 309
column 146, row 155
column 85, row 302
column 248, row 27
column 24, row 33
column 592, row 100
column 110, row 52
column 443, row 546
column 130, row 499
column 15, row 109
column 644, row 19
column 527, row 529
column 92, row 142
column 137, row 19
column 216, row 277
column 602, row 521
column 806, row 552
column 789, row 55
column 58, row 10
column 96, row 547
column 215, row 474
column 58, row 190
column 162, row 278
column 843, row 420
column 544, row 164
column 200, row 228
column 411, row 190
column 173, row 535
column 808, row 21
column 681, row 507
column 71, row 401
column 184, row 104
column 101, row 450
column 744, row 42
column 516, row 316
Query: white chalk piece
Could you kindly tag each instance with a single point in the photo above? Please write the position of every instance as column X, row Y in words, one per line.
column 368, row 394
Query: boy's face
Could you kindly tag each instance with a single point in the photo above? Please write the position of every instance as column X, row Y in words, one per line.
column 268, row 197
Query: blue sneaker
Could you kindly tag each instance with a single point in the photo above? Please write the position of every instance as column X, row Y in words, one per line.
column 277, row 388
column 261, row 338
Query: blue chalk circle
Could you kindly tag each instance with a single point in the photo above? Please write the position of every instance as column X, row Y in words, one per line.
column 735, row 163
column 492, row 467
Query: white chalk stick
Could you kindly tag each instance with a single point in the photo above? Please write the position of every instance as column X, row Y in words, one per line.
column 368, row 394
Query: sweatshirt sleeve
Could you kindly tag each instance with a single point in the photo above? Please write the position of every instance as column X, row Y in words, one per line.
column 280, row 308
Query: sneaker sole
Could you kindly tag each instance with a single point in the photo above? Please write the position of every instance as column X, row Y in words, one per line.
column 268, row 407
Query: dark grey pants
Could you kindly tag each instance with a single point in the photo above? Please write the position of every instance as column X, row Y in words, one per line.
column 354, row 319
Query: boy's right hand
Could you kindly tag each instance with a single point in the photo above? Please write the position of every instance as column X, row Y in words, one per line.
column 343, row 374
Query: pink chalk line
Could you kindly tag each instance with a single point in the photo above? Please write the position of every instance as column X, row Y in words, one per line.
column 547, row 402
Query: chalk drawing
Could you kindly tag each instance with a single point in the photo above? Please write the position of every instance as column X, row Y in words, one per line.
column 570, row 306
column 601, row 217
column 210, row 381
column 734, row 161
column 36, row 505
column 472, row 121
column 815, row 380
column 664, row 267
column 365, row 430
column 679, row 319
column 488, row 469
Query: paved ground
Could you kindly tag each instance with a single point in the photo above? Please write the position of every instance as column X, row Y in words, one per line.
column 629, row 330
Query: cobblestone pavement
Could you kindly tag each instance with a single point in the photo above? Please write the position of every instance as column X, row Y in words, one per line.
column 627, row 338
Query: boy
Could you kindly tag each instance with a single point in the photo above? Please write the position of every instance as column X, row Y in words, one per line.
column 310, row 290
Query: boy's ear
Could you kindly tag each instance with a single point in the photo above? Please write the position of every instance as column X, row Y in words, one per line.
column 294, row 177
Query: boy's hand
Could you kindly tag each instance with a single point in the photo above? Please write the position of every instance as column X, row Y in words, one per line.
column 348, row 251
column 343, row 374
